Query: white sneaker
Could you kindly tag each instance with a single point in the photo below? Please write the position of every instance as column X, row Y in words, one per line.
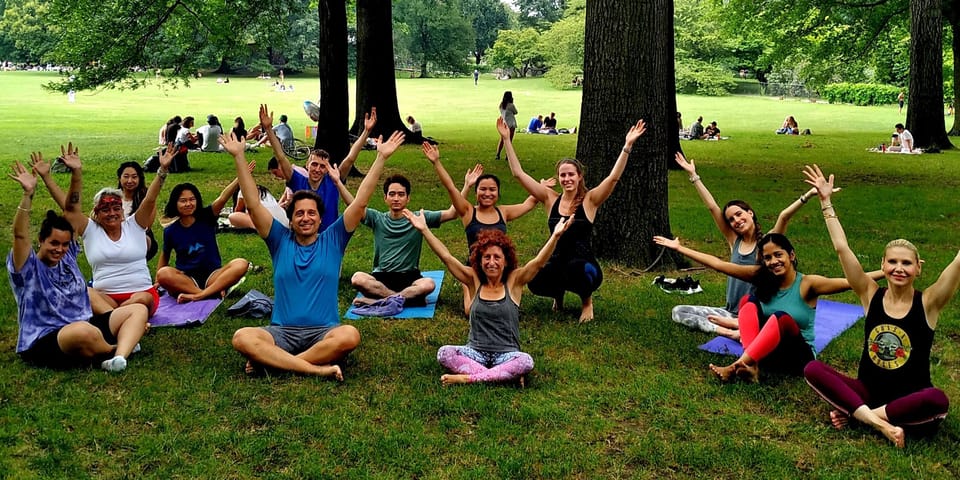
column 115, row 364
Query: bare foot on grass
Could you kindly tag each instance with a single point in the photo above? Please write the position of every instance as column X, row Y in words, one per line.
column 725, row 374
column 331, row 371
column 452, row 379
column 839, row 420
column 586, row 313
column 894, row 434
column 748, row 373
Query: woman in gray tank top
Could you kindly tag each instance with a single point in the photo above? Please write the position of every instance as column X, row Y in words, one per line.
column 496, row 280
column 738, row 223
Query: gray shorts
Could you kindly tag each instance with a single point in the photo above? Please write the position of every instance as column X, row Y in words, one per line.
column 296, row 340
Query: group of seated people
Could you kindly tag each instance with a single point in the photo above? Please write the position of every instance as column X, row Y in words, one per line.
column 698, row 132
column 64, row 323
column 105, row 322
column 545, row 124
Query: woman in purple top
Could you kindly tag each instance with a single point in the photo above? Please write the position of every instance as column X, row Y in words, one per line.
column 57, row 327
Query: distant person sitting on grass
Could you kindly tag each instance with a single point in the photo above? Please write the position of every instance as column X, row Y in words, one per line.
column 789, row 127
column 696, row 129
column 57, row 327
column 199, row 273
column 492, row 352
column 903, row 138
column 712, row 132
column 305, row 335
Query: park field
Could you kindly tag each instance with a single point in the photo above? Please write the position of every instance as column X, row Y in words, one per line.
column 626, row 396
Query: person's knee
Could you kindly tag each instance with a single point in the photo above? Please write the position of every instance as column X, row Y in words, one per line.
column 80, row 335
column 939, row 401
column 165, row 274
column 813, row 369
column 427, row 284
column 244, row 338
column 347, row 338
column 241, row 264
column 445, row 353
column 135, row 312
column 359, row 279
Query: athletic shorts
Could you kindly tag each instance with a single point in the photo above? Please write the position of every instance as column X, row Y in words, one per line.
column 296, row 340
column 397, row 281
column 199, row 276
column 123, row 297
column 46, row 352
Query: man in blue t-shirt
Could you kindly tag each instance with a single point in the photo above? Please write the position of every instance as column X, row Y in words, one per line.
column 305, row 335
column 318, row 164
column 396, row 252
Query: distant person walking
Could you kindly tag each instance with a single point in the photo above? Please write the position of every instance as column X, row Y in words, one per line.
column 900, row 99
column 476, row 77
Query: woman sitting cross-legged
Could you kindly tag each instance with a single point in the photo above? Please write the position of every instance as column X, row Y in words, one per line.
column 893, row 388
column 199, row 273
column 57, row 327
column 492, row 352
column 776, row 323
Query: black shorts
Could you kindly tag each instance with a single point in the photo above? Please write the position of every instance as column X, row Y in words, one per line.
column 397, row 281
column 199, row 276
column 46, row 351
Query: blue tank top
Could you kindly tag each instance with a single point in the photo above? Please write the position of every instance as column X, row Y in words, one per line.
column 737, row 288
column 475, row 226
column 789, row 301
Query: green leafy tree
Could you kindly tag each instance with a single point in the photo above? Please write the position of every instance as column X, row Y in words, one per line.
column 517, row 50
column 24, row 26
column 488, row 17
column 539, row 13
column 436, row 32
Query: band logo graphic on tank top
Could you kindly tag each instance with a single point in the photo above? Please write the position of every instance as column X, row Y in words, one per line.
column 889, row 346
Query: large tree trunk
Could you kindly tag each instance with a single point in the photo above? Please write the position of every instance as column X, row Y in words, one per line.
column 925, row 112
column 376, row 85
column 629, row 75
column 953, row 17
column 332, row 134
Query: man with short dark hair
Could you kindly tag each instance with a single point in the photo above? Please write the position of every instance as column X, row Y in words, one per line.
column 906, row 139
column 396, row 252
column 305, row 335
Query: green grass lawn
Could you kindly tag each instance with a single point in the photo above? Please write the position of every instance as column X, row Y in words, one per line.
column 627, row 396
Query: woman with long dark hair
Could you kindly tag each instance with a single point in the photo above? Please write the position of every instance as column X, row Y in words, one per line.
column 776, row 322
column 508, row 113
column 199, row 271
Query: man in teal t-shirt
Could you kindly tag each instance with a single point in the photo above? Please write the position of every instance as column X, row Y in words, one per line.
column 396, row 251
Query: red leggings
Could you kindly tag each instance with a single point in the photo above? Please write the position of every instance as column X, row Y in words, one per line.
column 848, row 394
column 778, row 332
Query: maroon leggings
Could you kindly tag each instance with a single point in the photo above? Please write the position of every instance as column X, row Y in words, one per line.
column 848, row 394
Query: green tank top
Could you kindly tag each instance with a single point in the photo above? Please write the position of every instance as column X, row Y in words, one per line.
column 790, row 301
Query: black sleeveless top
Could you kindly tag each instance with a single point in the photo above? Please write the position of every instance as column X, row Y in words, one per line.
column 475, row 226
column 896, row 352
column 576, row 242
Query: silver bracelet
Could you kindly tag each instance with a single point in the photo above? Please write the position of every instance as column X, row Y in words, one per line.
column 694, row 178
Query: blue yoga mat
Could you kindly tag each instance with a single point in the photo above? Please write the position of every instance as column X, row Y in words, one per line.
column 832, row 319
column 173, row 314
column 426, row 311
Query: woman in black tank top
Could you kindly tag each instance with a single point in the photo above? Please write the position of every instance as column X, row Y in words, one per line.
column 576, row 269
column 486, row 213
column 892, row 389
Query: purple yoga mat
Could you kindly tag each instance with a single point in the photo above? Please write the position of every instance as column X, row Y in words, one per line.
column 173, row 314
column 832, row 319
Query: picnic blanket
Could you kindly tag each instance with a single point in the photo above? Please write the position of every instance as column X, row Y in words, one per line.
column 832, row 319
column 426, row 311
column 190, row 314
